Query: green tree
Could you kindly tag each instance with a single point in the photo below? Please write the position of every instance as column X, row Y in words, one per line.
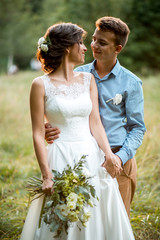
column 19, row 28
column 23, row 22
column 142, row 50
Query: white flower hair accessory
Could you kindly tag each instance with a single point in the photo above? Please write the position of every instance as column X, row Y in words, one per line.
column 116, row 100
column 43, row 44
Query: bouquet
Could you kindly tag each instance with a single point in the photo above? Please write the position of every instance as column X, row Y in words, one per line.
column 72, row 194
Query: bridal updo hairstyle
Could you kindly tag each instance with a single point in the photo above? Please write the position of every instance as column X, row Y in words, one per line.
column 60, row 37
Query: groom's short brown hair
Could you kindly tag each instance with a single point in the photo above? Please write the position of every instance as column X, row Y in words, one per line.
column 115, row 25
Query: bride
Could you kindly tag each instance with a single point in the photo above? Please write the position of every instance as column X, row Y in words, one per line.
column 69, row 100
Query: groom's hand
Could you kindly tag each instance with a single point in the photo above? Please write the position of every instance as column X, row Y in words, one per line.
column 51, row 133
column 113, row 165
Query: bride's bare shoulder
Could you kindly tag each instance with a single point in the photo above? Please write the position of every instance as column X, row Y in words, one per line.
column 37, row 81
column 37, row 85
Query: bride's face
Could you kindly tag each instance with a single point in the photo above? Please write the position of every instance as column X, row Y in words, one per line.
column 77, row 53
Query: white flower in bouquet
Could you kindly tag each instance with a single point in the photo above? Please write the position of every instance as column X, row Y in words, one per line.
column 73, row 217
column 71, row 205
column 85, row 217
column 63, row 209
column 72, row 197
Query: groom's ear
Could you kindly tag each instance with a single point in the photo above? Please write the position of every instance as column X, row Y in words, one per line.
column 118, row 49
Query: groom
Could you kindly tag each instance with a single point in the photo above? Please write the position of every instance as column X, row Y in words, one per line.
column 120, row 103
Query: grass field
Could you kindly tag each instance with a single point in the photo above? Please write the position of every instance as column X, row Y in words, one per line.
column 17, row 160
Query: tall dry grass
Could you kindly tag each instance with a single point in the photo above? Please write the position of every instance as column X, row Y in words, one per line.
column 17, row 160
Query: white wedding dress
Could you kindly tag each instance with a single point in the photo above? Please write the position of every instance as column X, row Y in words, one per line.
column 68, row 107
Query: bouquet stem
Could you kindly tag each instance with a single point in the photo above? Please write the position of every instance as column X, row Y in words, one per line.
column 40, row 217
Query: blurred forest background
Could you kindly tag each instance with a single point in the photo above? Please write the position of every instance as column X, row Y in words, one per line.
column 23, row 22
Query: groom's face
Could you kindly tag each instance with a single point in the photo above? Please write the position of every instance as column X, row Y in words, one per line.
column 103, row 45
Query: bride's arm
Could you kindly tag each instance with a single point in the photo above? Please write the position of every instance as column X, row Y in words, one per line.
column 113, row 162
column 38, row 131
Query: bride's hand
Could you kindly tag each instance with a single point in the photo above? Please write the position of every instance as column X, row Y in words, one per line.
column 113, row 165
column 47, row 186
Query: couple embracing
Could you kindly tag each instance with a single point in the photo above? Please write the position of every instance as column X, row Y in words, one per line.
column 95, row 110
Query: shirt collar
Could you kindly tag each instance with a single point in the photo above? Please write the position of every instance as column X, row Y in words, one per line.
column 92, row 67
column 114, row 71
column 116, row 68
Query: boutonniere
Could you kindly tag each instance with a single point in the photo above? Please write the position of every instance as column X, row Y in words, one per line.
column 116, row 100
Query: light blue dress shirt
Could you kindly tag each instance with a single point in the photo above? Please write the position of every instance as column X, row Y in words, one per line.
column 123, row 123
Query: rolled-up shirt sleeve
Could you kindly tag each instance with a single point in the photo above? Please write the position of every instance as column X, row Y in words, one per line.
column 134, row 105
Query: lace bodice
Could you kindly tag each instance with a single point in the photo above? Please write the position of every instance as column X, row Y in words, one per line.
column 68, row 107
column 67, row 91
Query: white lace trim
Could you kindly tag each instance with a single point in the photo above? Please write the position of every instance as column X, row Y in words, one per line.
column 71, row 91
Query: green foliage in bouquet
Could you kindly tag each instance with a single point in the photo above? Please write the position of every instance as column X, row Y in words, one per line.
column 72, row 193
